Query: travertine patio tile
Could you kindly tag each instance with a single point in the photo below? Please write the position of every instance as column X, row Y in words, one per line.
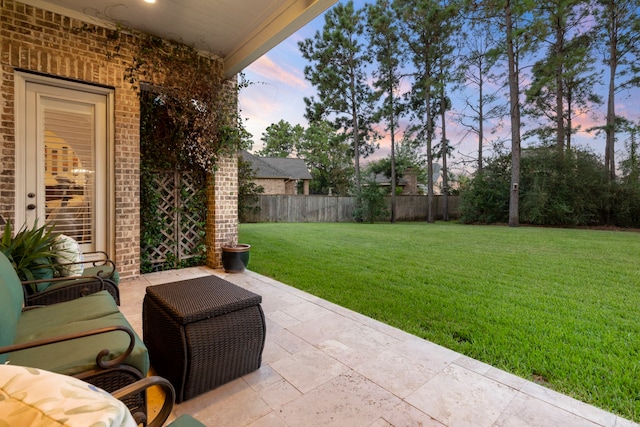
column 433, row 356
column 270, row 420
column 383, row 327
column 380, row 422
column 278, row 301
column 271, row 387
column 308, row 369
column 231, row 405
column 621, row 422
column 322, row 328
column 278, row 394
column 460, row 397
column 404, row 414
column 174, row 275
column 527, row 411
column 136, row 324
column 262, row 377
column 282, row 319
column 290, row 342
column 569, row 404
column 273, row 352
column 473, row 365
column 347, row 400
column 305, row 311
column 352, row 315
column 365, row 339
column 343, row 353
column 506, row 378
column 398, row 374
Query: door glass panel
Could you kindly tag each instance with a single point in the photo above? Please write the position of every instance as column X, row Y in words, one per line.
column 69, row 163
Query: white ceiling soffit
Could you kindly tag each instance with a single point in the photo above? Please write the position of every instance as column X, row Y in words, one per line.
column 240, row 31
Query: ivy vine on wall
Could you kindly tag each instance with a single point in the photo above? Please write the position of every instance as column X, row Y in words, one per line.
column 188, row 119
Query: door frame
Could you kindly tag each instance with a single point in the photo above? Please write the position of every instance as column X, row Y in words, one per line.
column 21, row 78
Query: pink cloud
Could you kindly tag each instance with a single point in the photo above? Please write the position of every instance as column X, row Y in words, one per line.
column 267, row 69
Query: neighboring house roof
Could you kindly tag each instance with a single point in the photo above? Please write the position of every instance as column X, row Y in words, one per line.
column 238, row 31
column 277, row 167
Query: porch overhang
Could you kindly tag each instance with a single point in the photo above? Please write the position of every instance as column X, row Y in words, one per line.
column 238, row 31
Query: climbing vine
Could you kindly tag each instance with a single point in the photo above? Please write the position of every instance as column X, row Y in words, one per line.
column 188, row 120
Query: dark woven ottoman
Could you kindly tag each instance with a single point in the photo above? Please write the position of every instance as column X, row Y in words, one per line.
column 202, row 333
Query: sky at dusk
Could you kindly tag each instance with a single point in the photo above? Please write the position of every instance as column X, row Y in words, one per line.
column 279, row 86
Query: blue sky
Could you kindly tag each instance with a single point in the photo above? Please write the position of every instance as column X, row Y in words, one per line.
column 279, row 87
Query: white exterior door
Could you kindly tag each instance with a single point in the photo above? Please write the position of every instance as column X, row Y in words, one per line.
column 65, row 179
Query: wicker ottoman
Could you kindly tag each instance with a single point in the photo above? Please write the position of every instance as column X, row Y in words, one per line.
column 202, row 333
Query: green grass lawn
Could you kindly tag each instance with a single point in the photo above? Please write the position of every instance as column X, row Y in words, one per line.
column 557, row 306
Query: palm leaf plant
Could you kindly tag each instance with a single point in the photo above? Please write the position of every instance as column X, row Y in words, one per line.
column 30, row 250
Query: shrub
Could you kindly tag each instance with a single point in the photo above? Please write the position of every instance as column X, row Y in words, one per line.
column 485, row 198
column 370, row 203
column 568, row 190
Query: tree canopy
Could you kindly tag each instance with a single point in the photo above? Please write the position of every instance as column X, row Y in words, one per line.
column 517, row 74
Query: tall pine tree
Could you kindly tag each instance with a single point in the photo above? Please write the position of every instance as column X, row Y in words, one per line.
column 385, row 42
column 338, row 70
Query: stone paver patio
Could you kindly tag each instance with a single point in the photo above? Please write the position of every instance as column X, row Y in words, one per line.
column 324, row 365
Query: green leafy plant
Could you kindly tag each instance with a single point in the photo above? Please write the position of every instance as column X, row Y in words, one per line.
column 247, row 190
column 29, row 250
column 370, row 203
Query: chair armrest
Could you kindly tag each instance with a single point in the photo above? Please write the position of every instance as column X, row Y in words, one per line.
column 104, row 364
column 143, row 385
column 64, row 279
column 94, row 254
column 83, row 285
column 93, row 262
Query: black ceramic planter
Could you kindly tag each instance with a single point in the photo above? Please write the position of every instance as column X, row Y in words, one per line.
column 235, row 258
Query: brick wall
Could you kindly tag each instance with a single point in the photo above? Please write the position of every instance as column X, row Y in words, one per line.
column 271, row 186
column 38, row 40
column 222, row 215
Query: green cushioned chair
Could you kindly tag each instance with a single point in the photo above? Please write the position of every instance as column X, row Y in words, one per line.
column 86, row 337
column 97, row 265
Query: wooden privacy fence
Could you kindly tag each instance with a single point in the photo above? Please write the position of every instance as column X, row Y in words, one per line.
column 299, row 208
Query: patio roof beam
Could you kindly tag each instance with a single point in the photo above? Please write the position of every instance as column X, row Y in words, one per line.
column 281, row 24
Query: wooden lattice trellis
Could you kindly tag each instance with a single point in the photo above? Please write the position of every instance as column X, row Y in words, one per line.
column 183, row 229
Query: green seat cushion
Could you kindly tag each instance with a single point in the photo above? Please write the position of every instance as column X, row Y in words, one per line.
column 72, row 357
column 11, row 300
column 34, row 324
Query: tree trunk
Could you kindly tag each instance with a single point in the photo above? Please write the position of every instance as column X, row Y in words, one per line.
column 559, row 46
column 569, row 130
column 393, row 157
column 609, row 151
column 480, row 118
column 356, row 134
column 430, row 213
column 514, row 217
column 445, row 181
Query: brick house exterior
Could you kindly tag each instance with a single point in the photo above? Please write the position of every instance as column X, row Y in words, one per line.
column 278, row 175
column 42, row 43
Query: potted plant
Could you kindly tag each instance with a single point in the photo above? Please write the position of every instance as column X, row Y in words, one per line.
column 235, row 257
column 30, row 250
